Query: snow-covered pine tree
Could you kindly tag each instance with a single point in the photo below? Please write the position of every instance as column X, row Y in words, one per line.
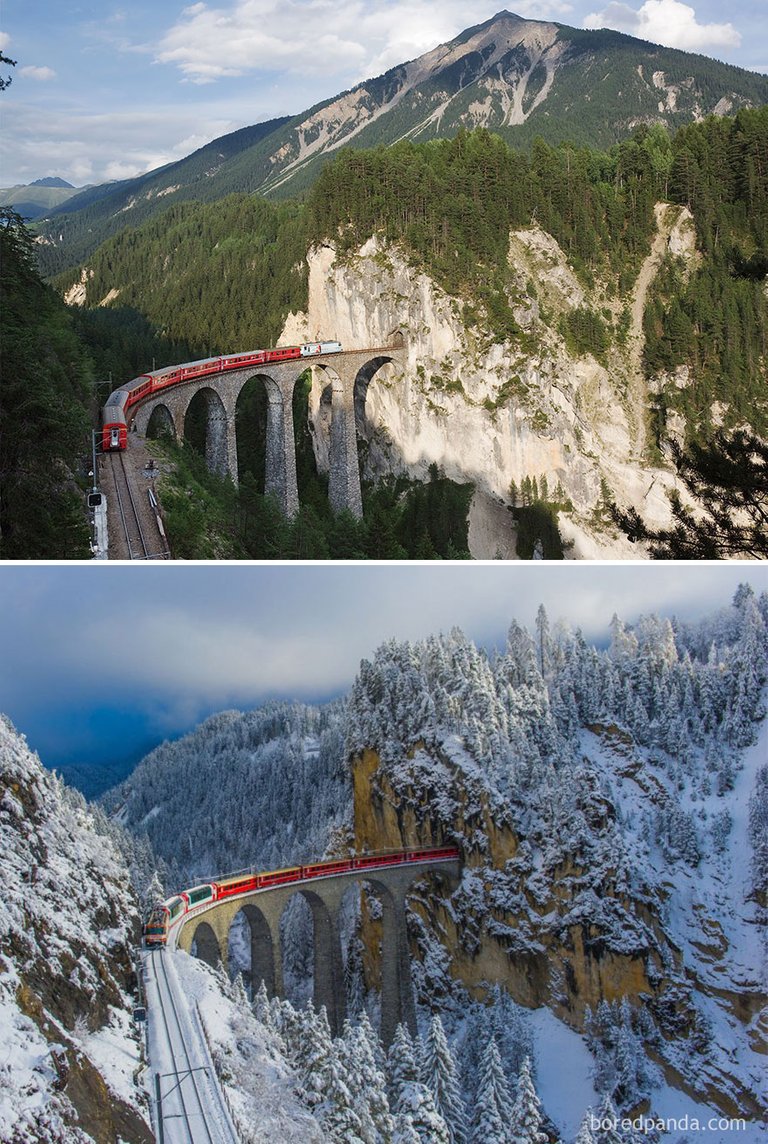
column 439, row 1075
column 360, row 1051
column 312, row 1053
column 493, row 1105
column 416, row 1111
column 527, row 1117
column 340, row 1117
column 586, row 1133
column 401, row 1063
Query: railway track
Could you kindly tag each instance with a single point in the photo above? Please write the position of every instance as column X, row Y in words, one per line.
column 136, row 528
column 128, row 511
column 190, row 1107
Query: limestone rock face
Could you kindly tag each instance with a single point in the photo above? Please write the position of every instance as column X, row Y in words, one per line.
column 495, row 412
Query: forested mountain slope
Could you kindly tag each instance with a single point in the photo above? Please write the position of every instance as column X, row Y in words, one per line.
column 45, row 410
column 610, row 805
column 262, row 788
column 568, row 313
column 611, row 809
column 520, row 78
column 68, row 924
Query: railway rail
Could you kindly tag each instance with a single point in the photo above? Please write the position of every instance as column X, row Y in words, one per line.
column 129, row 513
column 137, row 527
column 189, row 1106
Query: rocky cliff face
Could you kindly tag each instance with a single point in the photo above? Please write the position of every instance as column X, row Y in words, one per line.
column 67, row 923
column 568, row 938
column 607, row 867
column 495, row 413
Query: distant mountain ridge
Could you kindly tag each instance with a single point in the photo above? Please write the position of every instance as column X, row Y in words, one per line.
column 520, row 78
column 53, row 181
column 39, row 198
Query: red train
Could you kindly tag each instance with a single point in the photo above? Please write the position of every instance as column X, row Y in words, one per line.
column 166, row 914
column 114, row 417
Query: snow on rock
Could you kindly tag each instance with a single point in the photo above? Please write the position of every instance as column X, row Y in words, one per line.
column 68, row 920
column 599, row 797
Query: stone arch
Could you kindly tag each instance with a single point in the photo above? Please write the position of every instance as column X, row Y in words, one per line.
column 205, row 945
column 327, row 985
column 251, row 418
column 261, row 966
column 216, row 429
column 320, row 415
column 160, row 422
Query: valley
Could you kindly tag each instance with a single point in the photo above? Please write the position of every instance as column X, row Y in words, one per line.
column 600, row 811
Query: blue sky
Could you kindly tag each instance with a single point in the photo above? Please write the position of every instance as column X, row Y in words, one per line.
column 100, row 662
column 106, row 90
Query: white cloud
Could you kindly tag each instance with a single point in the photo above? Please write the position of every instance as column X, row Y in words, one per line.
column 667, row 22
column 355, row 40
column 38, row 73
column 5, row 41
column 82, row 147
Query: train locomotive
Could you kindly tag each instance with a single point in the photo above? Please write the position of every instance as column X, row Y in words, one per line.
column 114, row 431
column 165, row 915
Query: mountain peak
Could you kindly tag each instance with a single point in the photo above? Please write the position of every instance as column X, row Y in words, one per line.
column 53, row 181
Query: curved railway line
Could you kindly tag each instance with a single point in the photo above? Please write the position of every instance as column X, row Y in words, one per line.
column 190, row 1108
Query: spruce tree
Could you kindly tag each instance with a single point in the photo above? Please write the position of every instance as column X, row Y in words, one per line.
column 527, row 1117
column 439, row 1073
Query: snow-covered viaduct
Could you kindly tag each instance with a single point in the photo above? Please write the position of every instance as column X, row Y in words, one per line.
column 208, row 930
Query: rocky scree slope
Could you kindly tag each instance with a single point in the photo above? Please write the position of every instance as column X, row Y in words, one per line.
column 68, row 920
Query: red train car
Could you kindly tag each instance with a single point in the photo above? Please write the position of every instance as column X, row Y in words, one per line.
column 165, row 914
column 114, row 433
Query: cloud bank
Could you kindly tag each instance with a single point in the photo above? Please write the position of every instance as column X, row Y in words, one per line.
column 667, row 22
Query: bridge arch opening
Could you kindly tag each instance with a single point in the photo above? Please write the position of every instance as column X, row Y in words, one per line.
column 205, row 428
column 320, row 414
column 250, row 950
column 370, row 422
column 311, row 478
column 161, row 423
column 321, row 935
column 251, row 414
column 297, row 946
column 205, row 945
column 375, row 955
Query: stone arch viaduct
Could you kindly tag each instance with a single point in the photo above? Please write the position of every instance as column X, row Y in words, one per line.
column 348, row 375
column 208, row 928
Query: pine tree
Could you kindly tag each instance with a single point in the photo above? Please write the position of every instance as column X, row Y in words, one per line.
column 527, row 1118
column 586, row 1133
column 416, row 1113
column 493, row 1106
column 439, row 1073
column 401, row 1063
